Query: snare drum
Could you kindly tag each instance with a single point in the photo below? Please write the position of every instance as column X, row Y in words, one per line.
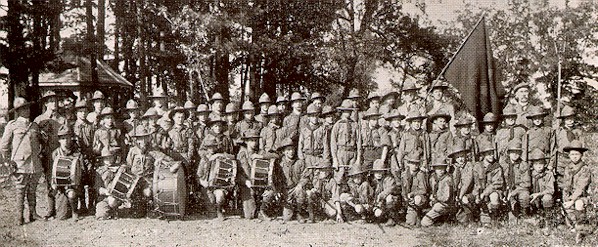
column 123, row 185
column 261, row 173
column 170, row 191
column 223, row 173
column 66, row 171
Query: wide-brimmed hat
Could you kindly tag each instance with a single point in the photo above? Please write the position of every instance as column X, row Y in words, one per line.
column 178, row 109
column 439, row 114
column 372, row 112
column 251, row 134
column 394, row 114
column 317, row 95
column 463, row 121
column 281, row 99
column 216, row 96
column 247, row 106
column 64, row 131
column 509, row 111
column 347, row 105
column 390, row 94
column 458, row 148
column 140, row 131
column 327, row 110
column 98, row 95
column 440, row 84
column 81, row 104
column 379, row 165
column 264, row 99
column 415, row 114
column 160, row 95
column 414, row 156
column 131, row 105
column 567, row 111
column 536, row 112
column 272, row 111
column 321, row 166
column 151, row 112
column 357, row 170
column 203, row 108
column 537, row 154
column 520, row 86
column 373, row 95
column 47, row 95
column 515, row 145
column 107, row 111
column 286, row 142
column 230, row 108
column 410, row 86
column 575, row 145
column 215, row 120
column 18, row 103
column 489, row 118
column 297, row 97
column 486, row 148
column 353, row 94
column 189, row 105
column 439, row 162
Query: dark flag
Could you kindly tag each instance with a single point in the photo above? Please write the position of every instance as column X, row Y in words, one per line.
column 471, row 71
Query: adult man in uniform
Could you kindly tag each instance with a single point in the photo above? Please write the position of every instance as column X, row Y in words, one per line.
column 21, row 146
column 264, row 104
column 98, row 101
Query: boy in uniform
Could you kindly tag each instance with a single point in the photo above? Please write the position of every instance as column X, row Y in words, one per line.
column 439, row 138
column 541, row 199
column 202, row 122
column 395, row 134
column 264, row 104
column 488, row 135
column 463, row 179
column 132, row 122
column 66, row 149
column 518, row 179
column 489, row 185
column 509, row 132
column 357, row 203
column 281, row 104
column 463, row 136
column 293, row 171
column 21, row 147
column 292, row 123
column 268, row 133
column 345, row 144
column 248, row 122
column 216, row 103
column 311, row 147
column 578, row 177
column 414, row 187
column 245, row 157
column 563, row 137
column 231, row 117
column 98, row 102
column 322, row 194
column 83, row 131
column 442, row 196
column 374, row 144
column 539, row 135
column 190, row 107
column 107, row 136
column 414, row 138
column 386, row 193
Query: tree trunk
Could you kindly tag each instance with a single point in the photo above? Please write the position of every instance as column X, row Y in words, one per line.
column 143, row 91
column 118, row 15
column 101, row 35
column 91, row 44
column 17, row 76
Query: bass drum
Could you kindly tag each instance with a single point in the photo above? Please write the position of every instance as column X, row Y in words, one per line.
column 170, row 191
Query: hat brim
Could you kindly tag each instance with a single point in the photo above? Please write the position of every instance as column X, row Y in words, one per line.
column 462, row 124
column 103, row 115
column 139, row 136
column 345, row 109
column 391, row 94
column 21, row 106
column 489, row 121
column 439, row 165
column 453, row 154
column 580, row 149
column 415, row 118
column 380, row 170
column 565, row 116
column 435, row 116
column 356, row 173
column 368, row 117
column 536, row 115
column 395, row 117
column 250, row 137
column 509, row 115
column 514, row 149
column 210, row 123
column 158, row 97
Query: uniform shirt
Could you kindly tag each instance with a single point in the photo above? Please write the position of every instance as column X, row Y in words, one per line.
column 374, row 138
column 414, row 183
column 215, row 115
column 268, row 138
column 224, row 144
column 141, row 164
column 182, row 141
column 412, row 140
column 518, row 175
column 463, row 178
column 21, row 144
column 128, row 127
column 312, row 141
column 440, row 142
column 543, row 182
column 200, row 130
column 485, row 139
column 327, row 188
column 507, row 134
column 564, row 136
column 537, row 137
column 488, row 179
column 292, row 172
column 106, row 138
column 83, row 131
column 385, row 187
column 49, row 125
column 344, row 134
column 443, row 188
column 577, row 181
column 245, row 125
column 362, row 193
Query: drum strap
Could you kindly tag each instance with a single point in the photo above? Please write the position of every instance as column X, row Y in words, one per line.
column 20, row 142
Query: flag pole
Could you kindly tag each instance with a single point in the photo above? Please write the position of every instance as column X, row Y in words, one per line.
column 454, row 55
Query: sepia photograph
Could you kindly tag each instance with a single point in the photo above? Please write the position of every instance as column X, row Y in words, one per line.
column 298, row 123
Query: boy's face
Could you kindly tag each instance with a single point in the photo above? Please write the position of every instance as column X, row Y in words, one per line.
column 81, row 113
column 108, row 121
column 465, row 130
column 165, row 125
column 142, row 143
column 489, row 157
column 251, row 143
column 439, row 123
column 202, row 117
column 248, row 115
column 389, row 101
column 210, row 150
column 98, row 105
column 538, row 165
column 108, row 160
column 408, row 96
column 329, row 119
column 514, row 155
column 357, row 179
column 51, row 104
column 230, row 117
column 575, row 156
column 440, row 170
column 133, row 114
column 297, row 105
column 313, row 118
column 378, row 174
column 437, row 93
column 65, row 142
column 345, row 114
column 373, row 122
column 217, row 105
column 158, row 103
column 178, row 118
column 374, row 103
column 489, row 127
column 569, row 122
column 382, row 122
column 396, row 123
column 318, row 103
column 216, row 128
column 537, row 121
column 413, row 166
column 281, row 107
column 416, row 124
column 264, row 107
column 289, row 152
column 460, row 159
column 510, row 121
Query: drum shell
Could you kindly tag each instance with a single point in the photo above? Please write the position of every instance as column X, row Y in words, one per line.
column 261, row 173
column 169, row 190
column 223, row 173
column 66, row 171
column 123, row 185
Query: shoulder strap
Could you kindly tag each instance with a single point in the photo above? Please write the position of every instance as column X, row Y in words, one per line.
column 20, row 142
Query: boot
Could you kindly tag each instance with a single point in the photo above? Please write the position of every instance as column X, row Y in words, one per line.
column 51, row 207
column 33, row 216
column 73, row 203
column 310, row 214
column 20, row 207
column 219, row 213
